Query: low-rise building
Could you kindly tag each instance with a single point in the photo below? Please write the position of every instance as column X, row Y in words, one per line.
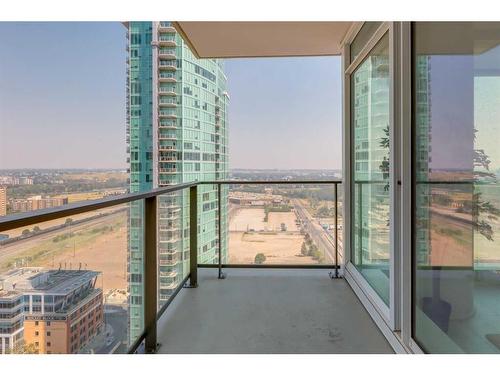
column 3, row 201
column 49, row 311
column 37, row 202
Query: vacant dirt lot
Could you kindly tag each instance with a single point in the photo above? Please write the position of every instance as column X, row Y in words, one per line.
column 106, row 254
column 288, row 218
column 246, row 240
column 100, row 246
column 279, row 248
column 248, row 219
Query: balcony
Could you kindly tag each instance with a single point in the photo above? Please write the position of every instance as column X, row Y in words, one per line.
column 167, row 77
column 166, row 29
column 167, row 91
column 259, row 311
column 167, row 65
column 164, row 159
column 167, row 137
column 164, row 114
column 167, row 103
column 168, row 170
column 169, row 263
column 167, row 41
column 276, row 308
column 167, row 148
column 166, row 55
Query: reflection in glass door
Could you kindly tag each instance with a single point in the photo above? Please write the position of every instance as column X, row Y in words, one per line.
column 456, row 215
column 370, row 113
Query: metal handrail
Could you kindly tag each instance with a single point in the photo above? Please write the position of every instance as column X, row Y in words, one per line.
column 221, row 265
column 270, row 182
column 34, row 217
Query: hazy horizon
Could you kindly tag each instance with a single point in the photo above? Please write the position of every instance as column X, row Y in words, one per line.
column 62, row 102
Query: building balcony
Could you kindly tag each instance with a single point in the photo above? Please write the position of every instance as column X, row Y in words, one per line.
column 167, row 92
column 168, row 274
column 167, row 42
column 170, row 262
column 167, row 78
column 170, row 286
column 166, row 55
column 170, row 252
column 166, row 65
column 167, row 103
column 162, row 114
column 167, row 125
column 167, row 170
column 169, row 228
column 167, row 148
column 167, row 137
column 164, row 159
column 166, row 29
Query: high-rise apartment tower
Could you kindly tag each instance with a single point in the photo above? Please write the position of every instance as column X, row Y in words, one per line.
column 176, row 132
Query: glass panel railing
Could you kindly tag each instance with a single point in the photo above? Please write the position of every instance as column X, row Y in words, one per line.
column 371, row 234
column 73, row 285
column 280, row 224
column 457, row 265
column 173, row 244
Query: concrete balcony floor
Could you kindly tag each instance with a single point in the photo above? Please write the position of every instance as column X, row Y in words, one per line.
column 268, row 311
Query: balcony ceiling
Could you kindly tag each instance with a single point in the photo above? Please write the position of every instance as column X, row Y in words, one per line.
column 263, row 39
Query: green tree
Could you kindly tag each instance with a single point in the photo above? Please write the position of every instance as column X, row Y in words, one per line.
column 303, row 249
column 260, row 258
column 68, row 221
column 312, row 250
column 36, row 229
column 323, row 211
column 26, row 232
column 25, row 349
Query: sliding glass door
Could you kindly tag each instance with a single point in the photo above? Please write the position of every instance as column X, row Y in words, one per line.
column 456, row 172
column 370, row 168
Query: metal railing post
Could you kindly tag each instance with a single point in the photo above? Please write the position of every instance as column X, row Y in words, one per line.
column 336, row 234
column 360, row 224
column 150, row 273
column 219, row 232
column 193, row 236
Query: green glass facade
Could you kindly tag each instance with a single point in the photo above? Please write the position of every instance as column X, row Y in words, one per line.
column 371, row 169
column 177, row 121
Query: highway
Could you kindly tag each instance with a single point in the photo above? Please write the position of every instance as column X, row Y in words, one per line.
column 322, row 239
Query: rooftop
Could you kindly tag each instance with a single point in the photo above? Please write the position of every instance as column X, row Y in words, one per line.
column 47, row 281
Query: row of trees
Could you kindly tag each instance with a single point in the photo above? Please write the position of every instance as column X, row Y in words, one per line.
column 69, row 186
column 36, row 228
column 309, row 248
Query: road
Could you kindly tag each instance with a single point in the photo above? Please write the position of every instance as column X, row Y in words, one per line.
column 9, row 250
column 316, row 231
column 117, row 318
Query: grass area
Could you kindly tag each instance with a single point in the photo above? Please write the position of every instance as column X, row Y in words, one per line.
column 40, row 253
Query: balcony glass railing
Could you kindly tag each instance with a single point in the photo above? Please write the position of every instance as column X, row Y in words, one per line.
column 84, row 299
column 275, row 224
column 103, row 247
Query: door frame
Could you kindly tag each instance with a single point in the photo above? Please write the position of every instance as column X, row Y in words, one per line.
column 394, row 320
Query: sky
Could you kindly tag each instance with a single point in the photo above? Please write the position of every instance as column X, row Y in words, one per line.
column 62, row 102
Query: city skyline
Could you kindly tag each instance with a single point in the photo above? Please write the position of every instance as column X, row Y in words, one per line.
column 55, row 92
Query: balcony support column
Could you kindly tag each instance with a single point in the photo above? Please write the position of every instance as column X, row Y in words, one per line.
column 193, row 236
column 150, row 273
column 336, row 232
column 219, row 232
